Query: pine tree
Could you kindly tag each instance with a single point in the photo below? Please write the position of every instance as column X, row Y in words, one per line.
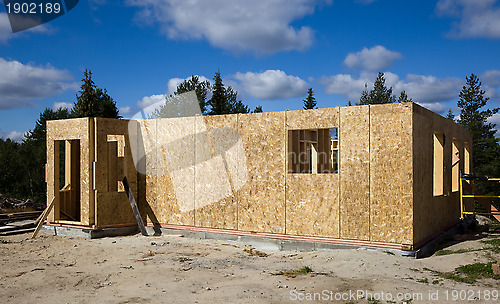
column 202, row 88
column 404, row 98
column 471, row 101
column 258, row 109
column 86, row 104
column 450, row 115
column 380, row 93
column 219, row 103
column 93, row 101
column 107, row 106
column 310, row 101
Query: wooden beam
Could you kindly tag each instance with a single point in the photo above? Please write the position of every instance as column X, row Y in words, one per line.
column 42, row 218
column 135, row 209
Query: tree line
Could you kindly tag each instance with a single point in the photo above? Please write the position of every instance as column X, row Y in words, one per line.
column 22, row 164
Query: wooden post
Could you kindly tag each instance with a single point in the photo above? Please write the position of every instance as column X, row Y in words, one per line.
column 42, row 218
column 135, row 209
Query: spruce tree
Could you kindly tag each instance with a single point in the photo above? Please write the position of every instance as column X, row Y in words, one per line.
column 379, row 94
column 450, row 115
column 310, row 101
column 86, row 104
column 93, row 101
column 471, row 101
column 202, row 88
column 403, row 97
column 258, row 109
column 219, row 103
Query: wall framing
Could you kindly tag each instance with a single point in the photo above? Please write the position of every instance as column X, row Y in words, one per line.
column 383, row 190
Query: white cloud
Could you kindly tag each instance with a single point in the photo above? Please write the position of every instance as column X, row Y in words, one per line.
column 62, row 104
column 6, row 30
column 491, row 84
column 347, row 85
column 376, row 58
column 150, row 100
column 421, row 88
column 20, row 83
column 126, row 110
column 495, row 119
column 272, row 84
column 434, row 106
column 477, row 18
column 491, row 77
column 239, row 25
column 174, row 82
column 429, row 88
column 14, row 135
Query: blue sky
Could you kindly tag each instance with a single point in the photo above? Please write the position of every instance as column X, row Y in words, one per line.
column 270, row 51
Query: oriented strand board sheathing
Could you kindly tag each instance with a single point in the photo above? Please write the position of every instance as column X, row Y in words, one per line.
column 113, row 208
column 313, row 119
column 69, row 129
column 219, row 176
column 169, row 148
column 355, row 173
column 434, row 213
column 110, row 168
column 312, row 205
column 391, row 168
column 262, row 199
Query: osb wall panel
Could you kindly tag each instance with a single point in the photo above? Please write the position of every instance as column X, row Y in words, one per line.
column 434, row 213
column 170, row 158
column 218, row 177
column 312, row 205
column 354, row 168
column 391, row 193
column 313, row 119
column 80, row 129
column 112, row 210
column 262, row 199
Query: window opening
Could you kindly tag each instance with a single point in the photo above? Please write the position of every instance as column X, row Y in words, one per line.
column 313, row 151
column 438, row 164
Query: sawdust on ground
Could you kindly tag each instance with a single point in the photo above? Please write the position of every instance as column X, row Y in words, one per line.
column 174, row 269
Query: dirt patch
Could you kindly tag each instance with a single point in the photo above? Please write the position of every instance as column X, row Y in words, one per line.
column 171, row 269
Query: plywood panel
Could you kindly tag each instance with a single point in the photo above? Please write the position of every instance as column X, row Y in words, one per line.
column 391, row 178
column 68, row 129
column 312, row 205
column 113, row 208
column 170, row 164
column 113, row 161
column 313, row 119
column 433, row 213
column 354, row 173
column 218, row 176
column 262, row 199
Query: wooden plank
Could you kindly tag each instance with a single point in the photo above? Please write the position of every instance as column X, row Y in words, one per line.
column 43, row 218
column 135, row 209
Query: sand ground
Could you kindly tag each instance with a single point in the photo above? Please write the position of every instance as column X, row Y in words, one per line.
column 175, row 269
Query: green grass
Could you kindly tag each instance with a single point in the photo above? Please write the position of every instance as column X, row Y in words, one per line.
column 305, row 269
column 447, row 252
column 494, row 243
column 467, row 273
column 294, row 273
column 424, row 280
column 373, row 301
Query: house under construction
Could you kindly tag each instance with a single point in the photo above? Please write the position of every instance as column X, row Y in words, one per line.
column 382, row 175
